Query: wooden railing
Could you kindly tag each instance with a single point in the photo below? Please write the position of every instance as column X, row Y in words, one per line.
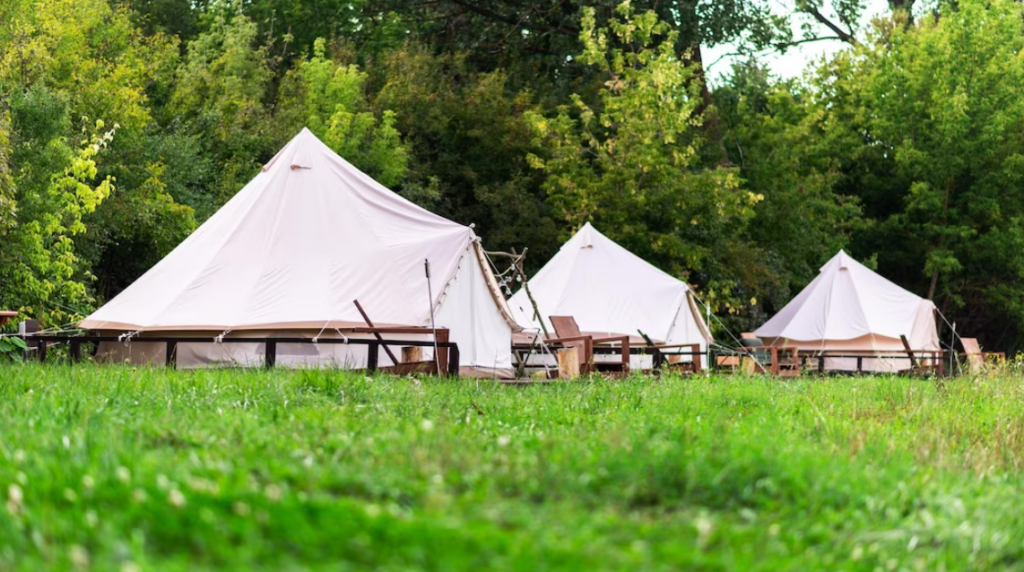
column 447, row 360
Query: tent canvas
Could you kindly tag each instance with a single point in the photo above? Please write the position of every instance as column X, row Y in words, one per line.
column 289, row 253
column 611, row 291
column 850, row 309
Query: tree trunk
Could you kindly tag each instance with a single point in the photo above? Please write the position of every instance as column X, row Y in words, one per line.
column 712, row 125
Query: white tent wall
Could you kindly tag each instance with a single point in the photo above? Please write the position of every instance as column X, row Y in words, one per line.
column 203, row 354
column 470, row 310
column 688, row 325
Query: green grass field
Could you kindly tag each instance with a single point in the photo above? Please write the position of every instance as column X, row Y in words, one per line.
column 112, row 468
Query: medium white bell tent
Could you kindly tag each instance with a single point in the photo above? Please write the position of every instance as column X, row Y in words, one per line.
column 289, row 254
column 611, row 291
column 849, row 309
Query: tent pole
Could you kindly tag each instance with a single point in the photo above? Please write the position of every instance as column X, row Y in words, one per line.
column 430, row 296
column 526, row 288
column 380, row 338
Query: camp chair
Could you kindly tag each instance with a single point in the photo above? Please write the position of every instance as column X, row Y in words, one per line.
column 567, row 335
column 975, row 357
column 918, row 368
column 669, row 359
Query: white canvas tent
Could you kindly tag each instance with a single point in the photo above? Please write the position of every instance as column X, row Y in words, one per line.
column 611, row 291
column 288, row 255
column 850, row 309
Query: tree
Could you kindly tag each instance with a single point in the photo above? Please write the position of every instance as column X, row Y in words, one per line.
column 329, row 99
column 631, row 163
column 39, row 267
column 780, row 138
column 220, row 95
column 936, row 109
column 65, row 60
column 468, row 136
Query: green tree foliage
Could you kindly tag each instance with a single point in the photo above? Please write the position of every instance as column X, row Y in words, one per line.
column 631, row 164
column 219, row 96
column 936, row 109
column 527, row 118
column 63, row 61
column 329, row 99
column 785, row 148
column 469, row 135
column 56, row 186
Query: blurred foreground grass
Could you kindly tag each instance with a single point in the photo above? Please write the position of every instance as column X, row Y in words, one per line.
column 114, row 468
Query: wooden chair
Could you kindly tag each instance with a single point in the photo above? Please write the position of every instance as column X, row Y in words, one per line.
column 976, row 358
column 567, row 335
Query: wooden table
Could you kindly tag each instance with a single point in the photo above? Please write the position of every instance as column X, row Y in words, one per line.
column 4, row 316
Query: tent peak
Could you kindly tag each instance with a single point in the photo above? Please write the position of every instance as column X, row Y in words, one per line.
column 842, row 260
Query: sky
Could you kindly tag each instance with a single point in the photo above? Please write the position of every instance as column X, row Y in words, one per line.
column 796, row 59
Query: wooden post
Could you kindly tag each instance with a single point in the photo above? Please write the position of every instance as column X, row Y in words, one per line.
column 41, row 350
column 76, row 351
column 25, row 329
column 453, row 361
column 443, row 356
column 412, row 354
column 371, row 357
column 270, row 356
column 171, row 357
column 568, row 363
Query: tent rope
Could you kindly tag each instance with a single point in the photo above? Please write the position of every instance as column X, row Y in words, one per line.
column 739, row 344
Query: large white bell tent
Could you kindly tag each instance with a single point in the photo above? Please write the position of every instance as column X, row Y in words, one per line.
column 611, row 291
column 289, row 254
column 850, row 310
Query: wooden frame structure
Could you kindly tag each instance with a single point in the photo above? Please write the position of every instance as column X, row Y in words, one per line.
column 447, row 361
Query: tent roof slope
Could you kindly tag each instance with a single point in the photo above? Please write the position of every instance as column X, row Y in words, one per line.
column 605, row 287
column 307, row 236
column 847, row 300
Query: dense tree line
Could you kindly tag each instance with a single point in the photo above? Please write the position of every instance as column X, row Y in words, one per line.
column 124, row 124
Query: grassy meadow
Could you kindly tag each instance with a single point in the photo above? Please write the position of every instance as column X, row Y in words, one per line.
column 115, row 468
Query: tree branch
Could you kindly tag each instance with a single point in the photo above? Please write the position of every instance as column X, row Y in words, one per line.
column 844, row 36
column 784, row 45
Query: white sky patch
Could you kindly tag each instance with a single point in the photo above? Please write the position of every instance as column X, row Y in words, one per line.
column 719, row 59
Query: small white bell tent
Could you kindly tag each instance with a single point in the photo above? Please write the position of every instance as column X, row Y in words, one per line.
column 849, row 309
column 288, row 255
column 611, row 291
